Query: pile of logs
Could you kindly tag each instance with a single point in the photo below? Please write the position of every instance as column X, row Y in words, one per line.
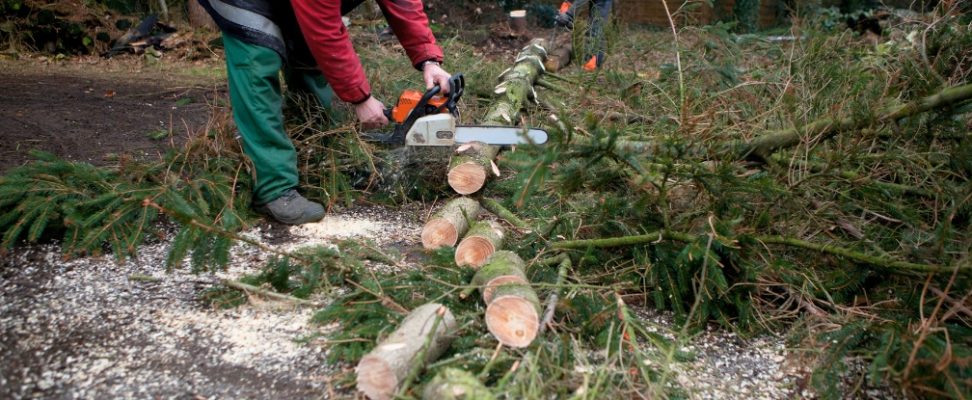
column 513, row 311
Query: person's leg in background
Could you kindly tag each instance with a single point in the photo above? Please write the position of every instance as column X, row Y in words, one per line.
column 599, row 16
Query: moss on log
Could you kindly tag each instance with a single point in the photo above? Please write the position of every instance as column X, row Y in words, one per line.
column 483, row 239
column 456, row 384
column 503, row 267
column 382, row 371
column 451, row 222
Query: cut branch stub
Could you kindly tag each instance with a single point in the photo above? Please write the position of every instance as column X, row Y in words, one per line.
column 382, row 371
column 484, row 239
column 451, row 222
column 513, row 315
column 470, row 167
column 503, row 267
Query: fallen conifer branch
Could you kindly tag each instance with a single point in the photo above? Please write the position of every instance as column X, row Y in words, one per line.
column 657, row 236
column 765, row 145
column 495, row 207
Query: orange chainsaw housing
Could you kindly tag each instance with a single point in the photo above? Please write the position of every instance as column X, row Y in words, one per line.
column 407, row 102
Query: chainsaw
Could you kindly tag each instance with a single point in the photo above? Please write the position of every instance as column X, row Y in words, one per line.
column 429, row 119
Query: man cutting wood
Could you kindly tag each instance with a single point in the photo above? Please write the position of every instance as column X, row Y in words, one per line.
column 264, row 37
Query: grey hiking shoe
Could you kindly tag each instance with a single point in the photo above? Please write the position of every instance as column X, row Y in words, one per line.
column 293, row 209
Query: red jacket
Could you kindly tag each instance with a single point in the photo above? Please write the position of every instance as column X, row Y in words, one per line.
column 327, row 37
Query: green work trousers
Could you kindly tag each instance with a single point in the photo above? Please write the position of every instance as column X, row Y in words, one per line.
column 254, row 85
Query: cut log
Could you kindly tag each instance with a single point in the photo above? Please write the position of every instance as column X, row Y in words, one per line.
column 513, row 315
column 451, row 222
column 513, row 92
column 559, row 54
column 383, row 370
column 470, row 167
column 484, row 239
column 456, row 384
column 503, row 267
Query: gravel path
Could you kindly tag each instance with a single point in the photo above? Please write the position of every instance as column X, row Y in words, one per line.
column 84, row 328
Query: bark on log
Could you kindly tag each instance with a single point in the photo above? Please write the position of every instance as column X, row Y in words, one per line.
column 483, row 239
column 513, row 315
column 514, row 90
column 383, row 370
column 456, row 384
column 470, row 166
column 198, row 17
column 503, row 267
column 449, row 224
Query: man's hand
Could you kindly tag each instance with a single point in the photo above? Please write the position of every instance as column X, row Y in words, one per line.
column 371, row 113
column 434, row 74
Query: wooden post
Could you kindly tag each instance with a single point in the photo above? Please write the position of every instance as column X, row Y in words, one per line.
column 449, row 224
column 382, row 371
column 484, row 239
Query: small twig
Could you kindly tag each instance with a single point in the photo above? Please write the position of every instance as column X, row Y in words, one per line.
column 492, row 360
column 550, row 85
column 266, row 293
column 551, row 305
column 143, row 278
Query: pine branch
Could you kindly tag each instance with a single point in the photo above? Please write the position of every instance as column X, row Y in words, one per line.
column 496, row 208
column 657, row 236
column 764, row 146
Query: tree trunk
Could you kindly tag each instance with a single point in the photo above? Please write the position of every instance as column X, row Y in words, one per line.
column 503, row 267
column 199, row 18
column 470, row 166
column 513, row 315
column 513, row 91
column 484, row 239
column 382, row 371
column 451, row 222
column 456, row 384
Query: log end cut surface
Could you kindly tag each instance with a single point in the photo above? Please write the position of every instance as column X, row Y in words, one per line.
column 467, row 178
column 513, row 320
column 439, row 232
column 499, row 281
column 375, row 378
column 474, row 251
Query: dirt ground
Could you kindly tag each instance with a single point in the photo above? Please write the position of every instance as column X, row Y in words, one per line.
column 89, row 109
